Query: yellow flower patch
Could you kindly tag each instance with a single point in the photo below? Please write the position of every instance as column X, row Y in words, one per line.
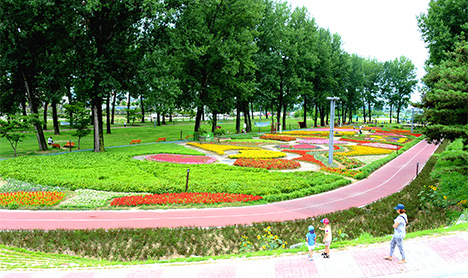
column 219, row 149
column 258, row 154
column 354, row 150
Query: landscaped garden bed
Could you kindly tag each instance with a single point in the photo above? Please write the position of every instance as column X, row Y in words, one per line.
column 181, row 159
column 164, row 243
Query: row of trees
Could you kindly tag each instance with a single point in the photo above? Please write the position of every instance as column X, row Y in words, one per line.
column 445, row 101
column 211, row 56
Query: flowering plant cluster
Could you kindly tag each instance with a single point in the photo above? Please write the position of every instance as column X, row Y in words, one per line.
column 323, row 133
column 355, row 140
column 181, row 159
column 385, row 138
column 219, row 149
column 279, row 164
column 269, row 242
column 257, row 154
column 306, row 157
column 39, row 198
column 278, row 137
column 348, row 162
column 382, row 146
column 300, row 146
column 355, row 150
column 344, row 172
column 183, row 198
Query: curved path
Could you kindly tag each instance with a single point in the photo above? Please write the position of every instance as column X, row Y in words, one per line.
column 389, row 179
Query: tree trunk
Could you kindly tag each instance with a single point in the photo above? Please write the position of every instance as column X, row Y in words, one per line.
column 238, row 117
column 252, row 110
column 164, row 119
column 350, row 119
column 23, row 107
column 391, row 107
column 214, row 121
column 32, row 104
column 316, row 116
column 70, row 101
column 44, row 124
column 398, row 114
column 108, row 120
column 322, row 115
column 158, row 119
column 96, row 107
column 128, row 107
column 370, row 111
column 142, row 109
column 114, row 96
column 198, row 118
column 55, row 118
column 364, row 112
column 305, row 111
column 285, row 113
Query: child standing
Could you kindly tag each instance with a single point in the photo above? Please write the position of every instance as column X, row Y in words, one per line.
column 327, row 239
column 311, row 239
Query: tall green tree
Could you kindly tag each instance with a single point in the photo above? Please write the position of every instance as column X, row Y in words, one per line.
column 215, row 42
column 107, row 37
column 402, row 83
column 444, row 24
column 445, row 102
column 26, row 42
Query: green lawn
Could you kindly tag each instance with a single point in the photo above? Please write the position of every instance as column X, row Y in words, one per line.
column 123, row 135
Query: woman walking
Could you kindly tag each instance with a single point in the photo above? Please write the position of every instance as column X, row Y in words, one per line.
column 399, row 226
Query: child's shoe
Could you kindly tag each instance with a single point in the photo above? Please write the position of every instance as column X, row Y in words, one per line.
column 326, row 256
column 310, row 259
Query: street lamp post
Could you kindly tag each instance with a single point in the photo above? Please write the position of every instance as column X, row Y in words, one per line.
column 332, row 126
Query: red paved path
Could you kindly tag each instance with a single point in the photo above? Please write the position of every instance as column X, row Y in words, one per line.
column 387, row 180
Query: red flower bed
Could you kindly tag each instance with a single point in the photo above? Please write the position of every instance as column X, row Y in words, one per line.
column 278, row 137
column 181, row 159
column 183, row 198
column 280, row 164
column 31, row 198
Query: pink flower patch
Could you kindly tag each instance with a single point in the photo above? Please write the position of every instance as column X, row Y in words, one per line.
column 300, row 146
column 181, row 159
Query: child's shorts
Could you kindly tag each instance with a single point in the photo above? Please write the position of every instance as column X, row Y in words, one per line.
column 311, row 247
column 327, row 243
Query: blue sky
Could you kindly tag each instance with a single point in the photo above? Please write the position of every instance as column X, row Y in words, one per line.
column 379, row 29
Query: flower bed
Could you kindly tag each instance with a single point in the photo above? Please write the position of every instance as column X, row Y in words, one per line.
column 348, row 162
column 181, row 159
column 318, row 133
column 279, row 164
column 219, row 149
column 306, row 157
column 355, row 140
column 355, row 150
column 183, row 198
column 22, row 198
column 278, row 137
column 300, row 146
column 344, row 172
column 382, row 146
column 257, row 154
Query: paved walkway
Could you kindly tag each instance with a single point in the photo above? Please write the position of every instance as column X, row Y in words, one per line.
column 389, row 179
column 445, row 256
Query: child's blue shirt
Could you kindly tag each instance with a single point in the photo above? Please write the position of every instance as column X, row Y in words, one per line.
column 311, row 238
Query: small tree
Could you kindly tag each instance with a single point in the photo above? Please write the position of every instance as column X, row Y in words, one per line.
column 132, row 115
column 80, row 121
column 13, row 129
